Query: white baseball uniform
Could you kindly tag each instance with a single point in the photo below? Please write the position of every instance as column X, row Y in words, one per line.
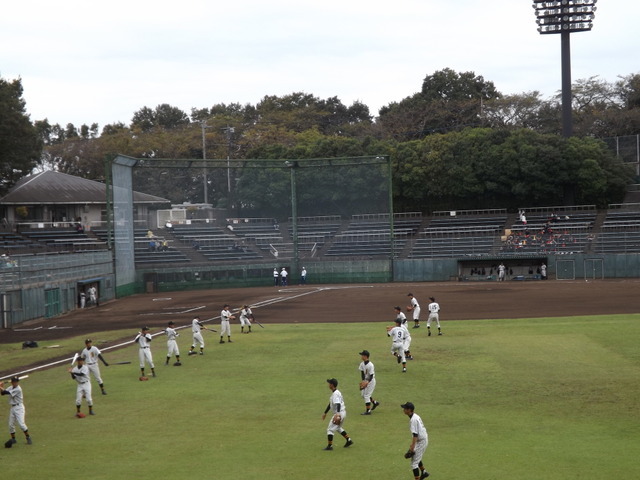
column 225, row 325
column 244, row 317
column 434, row 309
column 81, row 375
column 501, row 272
column 398, row 336
column 196, row 329
column 416, row 309
column 16, row 412
column 337, row 406
column 144, row 350
column 368, row 373
column 418, row 430
column 91, row 361
column 403, row 323
column 172, row 345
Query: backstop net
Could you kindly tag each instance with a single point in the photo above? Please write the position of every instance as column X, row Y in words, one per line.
column 287, row 210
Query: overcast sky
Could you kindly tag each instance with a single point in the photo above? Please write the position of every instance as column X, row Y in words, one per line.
column 95, row 61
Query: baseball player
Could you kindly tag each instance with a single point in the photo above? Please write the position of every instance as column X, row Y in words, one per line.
column 283, row 277
column 339, row 413
column 276, row 277
column 419, row 442
column 398, row 336
column 196, row 329
column 245, row 319
column 91, row 355
column 368, row 383
column 144, row 351
column 415, row 308
column 16, row 412
column 403, row 322
column 80, row 373
column 502, row 270
column 225, row 323
column 172, row 345
column 434, row 314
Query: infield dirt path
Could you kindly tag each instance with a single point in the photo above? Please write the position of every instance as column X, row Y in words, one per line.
column 344, row 303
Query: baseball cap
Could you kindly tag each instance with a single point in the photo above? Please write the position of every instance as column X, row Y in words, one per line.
column 171, row 323
column 145, row 328
column 398, row 320
column 15, row 379
column 408, row 406
column 397, row 308
column 333, row 382
column 409, row 294
column 432, row 299
column 88, row 340
column 364, row 352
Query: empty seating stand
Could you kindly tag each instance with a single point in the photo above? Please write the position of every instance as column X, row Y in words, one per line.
column 464, row 234
column 63, row 239
column 369, row 235
column 10, row 241
column 620, row 232
column 214, row 243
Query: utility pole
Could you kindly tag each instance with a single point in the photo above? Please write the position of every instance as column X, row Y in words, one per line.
column 204, row 157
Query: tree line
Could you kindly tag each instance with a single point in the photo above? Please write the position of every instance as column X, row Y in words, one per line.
column 456, row 143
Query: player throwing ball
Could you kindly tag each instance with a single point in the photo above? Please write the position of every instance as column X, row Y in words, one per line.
column 172, row 344
column 368, row 383
column 339, row 413
column 245, row 319
column 196, row 330
column 225, row 323
column 91, row 355
column 143, row 339
column 17, row 412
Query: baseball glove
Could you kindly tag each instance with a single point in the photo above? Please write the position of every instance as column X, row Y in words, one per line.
column 336, row 419
column 409, row 454
column 363, row 384
column 8, row 444
column 409, row 308
column 143, row 379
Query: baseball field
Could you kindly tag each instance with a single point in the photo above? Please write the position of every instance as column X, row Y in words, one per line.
column 531, row 380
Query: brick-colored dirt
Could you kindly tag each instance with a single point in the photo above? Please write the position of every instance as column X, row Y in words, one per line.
column 345, row 303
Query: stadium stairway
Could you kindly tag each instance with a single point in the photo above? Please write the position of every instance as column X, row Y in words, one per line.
column 596, row 229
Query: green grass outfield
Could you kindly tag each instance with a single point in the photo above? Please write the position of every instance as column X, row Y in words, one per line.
column 552, row 398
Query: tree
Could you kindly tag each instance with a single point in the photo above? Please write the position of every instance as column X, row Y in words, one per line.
column 20, row 143
column 164, row 116
column 448, row 101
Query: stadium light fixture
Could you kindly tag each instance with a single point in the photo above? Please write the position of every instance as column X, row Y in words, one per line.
column 565, row 17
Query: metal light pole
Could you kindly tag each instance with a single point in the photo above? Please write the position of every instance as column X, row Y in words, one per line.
column 565, row 17
column 293, row 166
column 204, row 157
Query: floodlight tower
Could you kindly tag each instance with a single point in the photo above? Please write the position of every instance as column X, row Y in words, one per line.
column 565, row 17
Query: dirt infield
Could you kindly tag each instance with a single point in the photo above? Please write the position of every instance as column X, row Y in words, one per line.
column 344, row 303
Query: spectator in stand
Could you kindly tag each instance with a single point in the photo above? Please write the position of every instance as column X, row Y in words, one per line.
column 522, row 216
